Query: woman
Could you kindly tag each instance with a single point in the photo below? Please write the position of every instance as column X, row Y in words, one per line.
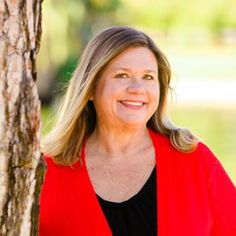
column 115, row 163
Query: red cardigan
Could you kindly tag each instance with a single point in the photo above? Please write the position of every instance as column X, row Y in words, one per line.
column 194, row 196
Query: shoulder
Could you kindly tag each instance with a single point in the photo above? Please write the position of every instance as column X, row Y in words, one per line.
column 53, row 167
column 202, row 162
column 164, row 142
column 163, row 146
column 48, row 160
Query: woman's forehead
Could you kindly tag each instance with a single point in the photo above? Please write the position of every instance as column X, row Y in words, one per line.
column 134, row 57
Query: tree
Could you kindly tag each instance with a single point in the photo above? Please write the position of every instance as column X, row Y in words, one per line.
column 21, row 167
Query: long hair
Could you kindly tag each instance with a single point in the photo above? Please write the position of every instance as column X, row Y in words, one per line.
column 76, row 116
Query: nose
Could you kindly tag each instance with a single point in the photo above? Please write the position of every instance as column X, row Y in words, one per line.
column 136, row 87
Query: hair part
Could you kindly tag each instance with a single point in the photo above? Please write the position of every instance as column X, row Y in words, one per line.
column 76, row 116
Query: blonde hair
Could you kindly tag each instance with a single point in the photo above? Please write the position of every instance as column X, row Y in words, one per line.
column 76, row 116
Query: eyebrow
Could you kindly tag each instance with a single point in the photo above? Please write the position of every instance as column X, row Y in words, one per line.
column 126, row 69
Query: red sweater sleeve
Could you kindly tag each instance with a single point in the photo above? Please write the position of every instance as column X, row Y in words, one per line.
column 222, row 194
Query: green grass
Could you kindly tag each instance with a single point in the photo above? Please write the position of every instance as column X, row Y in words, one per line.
column 216, row 128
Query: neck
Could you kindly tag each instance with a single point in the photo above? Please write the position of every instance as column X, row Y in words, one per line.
column 117, row 142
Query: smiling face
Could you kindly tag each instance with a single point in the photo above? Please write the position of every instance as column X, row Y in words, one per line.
column 127, row 91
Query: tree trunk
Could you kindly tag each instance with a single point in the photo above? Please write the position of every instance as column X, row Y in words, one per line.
column 21, row 168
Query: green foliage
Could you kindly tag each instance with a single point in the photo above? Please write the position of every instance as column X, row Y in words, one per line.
column 101, row 5
column 66, row 69
column 213, row 15
column 67, row 26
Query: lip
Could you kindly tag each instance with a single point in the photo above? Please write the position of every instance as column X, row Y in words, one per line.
column 133, row 104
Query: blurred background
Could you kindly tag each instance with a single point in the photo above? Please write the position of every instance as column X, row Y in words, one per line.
column 198, row 37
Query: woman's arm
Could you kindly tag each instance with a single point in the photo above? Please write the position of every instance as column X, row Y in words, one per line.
column 223, row 202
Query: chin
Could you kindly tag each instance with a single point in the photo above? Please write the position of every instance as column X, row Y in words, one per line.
column 135, row 122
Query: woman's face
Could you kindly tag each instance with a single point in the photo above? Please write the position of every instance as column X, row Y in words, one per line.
column 127, row 91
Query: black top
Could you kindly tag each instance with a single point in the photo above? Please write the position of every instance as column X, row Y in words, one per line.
column 136, row 216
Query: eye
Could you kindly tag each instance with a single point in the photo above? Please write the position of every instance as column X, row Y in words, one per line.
column 148, row 77
column 122, row 76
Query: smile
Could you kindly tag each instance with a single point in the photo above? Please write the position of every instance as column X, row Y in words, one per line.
column 133, row 104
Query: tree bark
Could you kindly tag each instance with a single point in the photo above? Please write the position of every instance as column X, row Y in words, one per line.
column 21, row 167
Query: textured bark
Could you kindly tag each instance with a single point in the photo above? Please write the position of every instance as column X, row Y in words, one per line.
column 21, row 168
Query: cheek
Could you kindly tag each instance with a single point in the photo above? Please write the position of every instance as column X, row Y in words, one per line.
column 154, row 92
column 108, row 91
column 155, row 97
column 105, row 94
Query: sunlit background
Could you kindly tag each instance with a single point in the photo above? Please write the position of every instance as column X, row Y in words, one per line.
column 198, row 37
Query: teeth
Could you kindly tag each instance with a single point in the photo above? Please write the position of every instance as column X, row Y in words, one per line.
column 132, row 103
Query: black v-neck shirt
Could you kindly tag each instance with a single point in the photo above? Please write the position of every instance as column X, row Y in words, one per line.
column 137, row 216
